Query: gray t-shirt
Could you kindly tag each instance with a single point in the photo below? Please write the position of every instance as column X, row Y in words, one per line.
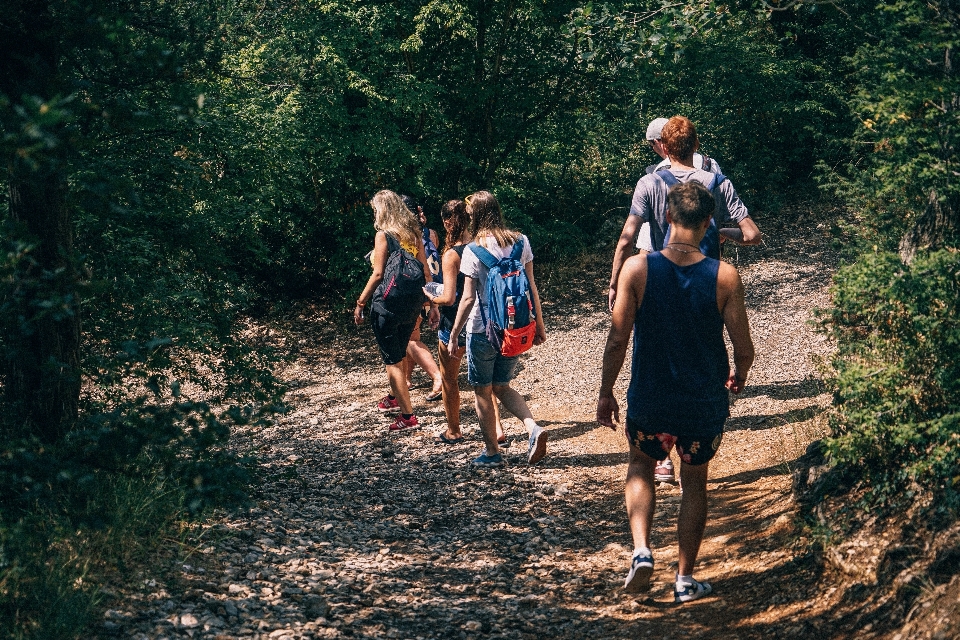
column 643, row 238
column 650, row 202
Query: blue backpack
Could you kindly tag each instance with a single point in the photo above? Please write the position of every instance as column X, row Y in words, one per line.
column 710, row 245
column 508, row 314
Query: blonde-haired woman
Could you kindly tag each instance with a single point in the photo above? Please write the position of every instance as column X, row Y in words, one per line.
column 397, row 228
column 489, row 371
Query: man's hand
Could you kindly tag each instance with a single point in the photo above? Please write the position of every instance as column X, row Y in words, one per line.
column 734, row 383
column 608, row 412
column 611, row 298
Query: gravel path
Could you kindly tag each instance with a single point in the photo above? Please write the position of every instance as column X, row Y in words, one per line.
column 362, row 533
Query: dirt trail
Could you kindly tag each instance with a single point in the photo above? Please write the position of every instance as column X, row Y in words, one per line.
column 360, row 533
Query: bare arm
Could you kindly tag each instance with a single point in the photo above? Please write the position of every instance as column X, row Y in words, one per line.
column 746, row 233
column 633, row 280
column 433, row 318
column 467, row 300
column 379, row 261
column 451, row 267
column 541, row 335
column 627, row 237
column 733, row 308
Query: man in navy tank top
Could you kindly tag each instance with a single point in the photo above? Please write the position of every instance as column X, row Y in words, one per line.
column 677, row 302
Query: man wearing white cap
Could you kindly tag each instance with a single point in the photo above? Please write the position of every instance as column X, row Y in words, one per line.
column 654, row 129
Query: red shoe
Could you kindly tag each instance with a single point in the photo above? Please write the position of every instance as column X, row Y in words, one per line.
column 388, row 405
column 400, row 424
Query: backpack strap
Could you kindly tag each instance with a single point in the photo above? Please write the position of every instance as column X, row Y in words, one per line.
column 667, row 176
column 707, row 164
column 715, row 181
column 487, row 258
column 392, row 243
column 517, row 251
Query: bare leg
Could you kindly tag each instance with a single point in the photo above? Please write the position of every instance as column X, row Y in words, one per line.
column 693, row 515
column 418, row 353
column 450, row 370
column 641, row 496
column 496, row 411
column 409, row 361
column 398, row 386
column 408, row 365
column 515, row 404
column 487, row 415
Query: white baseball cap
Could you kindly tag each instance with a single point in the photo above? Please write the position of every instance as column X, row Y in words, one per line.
column 655, row 127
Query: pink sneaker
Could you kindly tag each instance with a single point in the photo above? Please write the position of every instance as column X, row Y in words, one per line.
column 388, row 405
column 664, row 471
column 400, row 424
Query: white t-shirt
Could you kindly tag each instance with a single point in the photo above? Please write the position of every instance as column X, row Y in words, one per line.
column 471, row 267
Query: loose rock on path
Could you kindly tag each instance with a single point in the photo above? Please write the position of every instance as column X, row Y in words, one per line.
column 362, row 533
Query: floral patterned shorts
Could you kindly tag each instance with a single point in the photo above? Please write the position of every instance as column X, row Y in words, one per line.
column 693, row 448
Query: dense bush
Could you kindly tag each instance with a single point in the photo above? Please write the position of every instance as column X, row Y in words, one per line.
column 897, row 405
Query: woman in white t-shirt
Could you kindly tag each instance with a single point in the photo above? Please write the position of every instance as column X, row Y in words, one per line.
column 488, row 370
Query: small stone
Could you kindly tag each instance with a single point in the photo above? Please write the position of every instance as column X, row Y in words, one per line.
column 472, row 625
column 189, row 621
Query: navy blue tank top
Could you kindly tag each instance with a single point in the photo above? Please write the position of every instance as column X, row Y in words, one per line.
column 448, row 315
column 680, row 364
column 433, row 256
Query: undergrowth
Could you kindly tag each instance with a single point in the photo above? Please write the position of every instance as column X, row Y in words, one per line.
column 896, row 418
column 56, row 557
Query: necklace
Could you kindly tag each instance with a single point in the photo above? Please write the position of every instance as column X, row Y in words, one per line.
column 670, row 246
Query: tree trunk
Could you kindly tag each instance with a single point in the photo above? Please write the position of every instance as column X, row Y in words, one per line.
column 937, row 228
column 41, row 381
column 41, row 376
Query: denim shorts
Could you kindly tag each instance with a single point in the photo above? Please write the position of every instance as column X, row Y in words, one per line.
column 485, row 365
column 444, row 336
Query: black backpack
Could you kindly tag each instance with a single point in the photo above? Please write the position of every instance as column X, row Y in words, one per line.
column 400, row 294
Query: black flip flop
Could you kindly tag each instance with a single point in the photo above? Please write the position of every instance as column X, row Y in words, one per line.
column 442, row 438
column 434, row 396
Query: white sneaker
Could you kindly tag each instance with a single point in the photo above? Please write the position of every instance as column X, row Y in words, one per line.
column 663, row 472
column 537, row 446
column 686, row 592
column 641, row 570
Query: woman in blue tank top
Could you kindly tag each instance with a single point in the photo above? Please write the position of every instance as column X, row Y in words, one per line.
column 417, row 351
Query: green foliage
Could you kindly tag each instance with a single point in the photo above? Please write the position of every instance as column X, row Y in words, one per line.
column 897, row 384
column 903, row 93
column 316, row 107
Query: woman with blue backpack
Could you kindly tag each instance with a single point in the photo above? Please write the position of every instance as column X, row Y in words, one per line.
column 456, row 222
column 394, row 292
column 500, row 309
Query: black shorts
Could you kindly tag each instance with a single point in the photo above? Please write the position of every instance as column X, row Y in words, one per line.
column 695, row 447
column 392, row 336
